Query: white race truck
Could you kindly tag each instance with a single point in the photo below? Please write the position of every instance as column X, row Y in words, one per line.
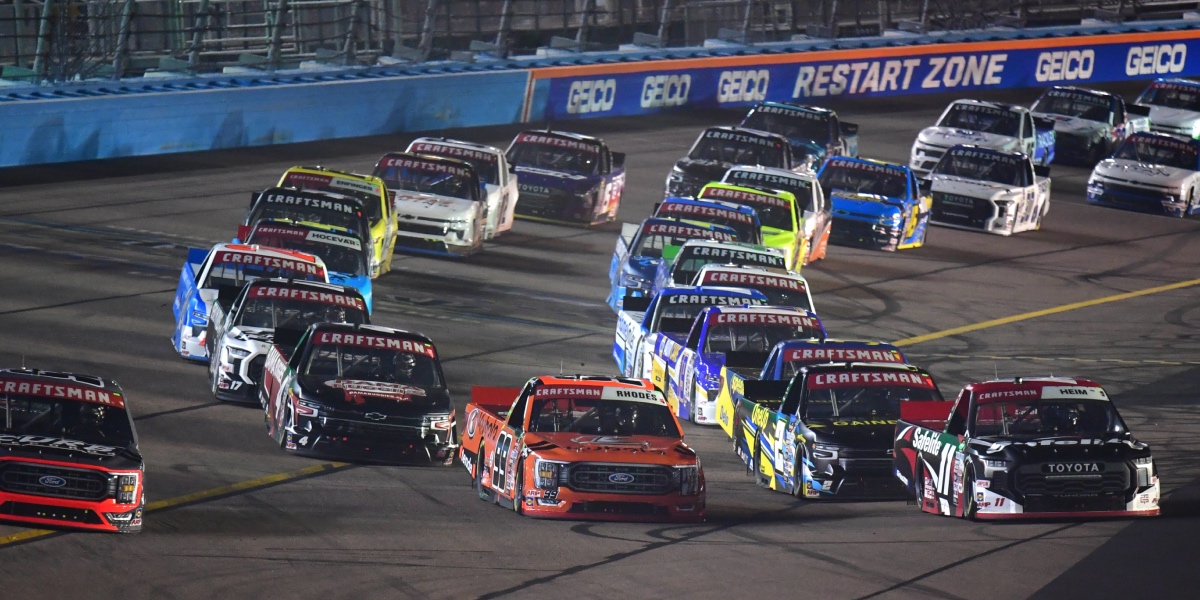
column 988, row 190
column 1003, row 127
column 499, row 179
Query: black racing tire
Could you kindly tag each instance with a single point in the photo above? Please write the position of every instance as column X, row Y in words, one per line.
column 798, row 473
column 970, row 507
column 759, row 479
column 212, row 374
column 519, row 489
column 918, row 483
column 484, row 494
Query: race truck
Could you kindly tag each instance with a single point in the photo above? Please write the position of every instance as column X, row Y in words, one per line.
column 345, row 254
column 769, row 382
column 831, row 435
column 875, row 204
column 993, row 125
column 498, row 178
column 566, row 177
column 720, row 148
column 582, row 447
column 988, row 190
column 690, row 370
column 781, row 216
column 1088, row 124
column 1150, row 172
column 1024, row 448
column 439, row 202
column 641, row 248
column 234, row 265
column 344, row 213
column 815, row 212
column 70, row 453
column 369, row 190
column 740, row 217
column 814, row 133
column 361, row 392
column 781, row 289
column 695, row 254
column 670, row 312
column 242, row 323
column 1174, row 107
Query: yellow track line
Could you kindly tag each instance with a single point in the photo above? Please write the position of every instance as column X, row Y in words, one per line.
column 1044, row 312
column 240, row 486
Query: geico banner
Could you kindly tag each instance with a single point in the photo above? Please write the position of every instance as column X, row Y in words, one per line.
column 640, row 88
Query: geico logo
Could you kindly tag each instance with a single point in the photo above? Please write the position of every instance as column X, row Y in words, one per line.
column 1155, row 60
column 591, row 96
column 1065, row 65
column 665, row 90
column 743, row 86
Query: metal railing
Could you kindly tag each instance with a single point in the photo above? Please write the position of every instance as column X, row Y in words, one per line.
column 68, row 40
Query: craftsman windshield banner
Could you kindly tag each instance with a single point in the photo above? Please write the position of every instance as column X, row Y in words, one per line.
column 810, row 77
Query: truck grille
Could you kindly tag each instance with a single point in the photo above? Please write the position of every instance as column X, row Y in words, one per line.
column 541, row 205
column 1114, row 480
column 420, row 228
column 401, row 431
column 620, row 479
column 619, row 508
column 851, row 232
column 40, row 480
column 953, row 209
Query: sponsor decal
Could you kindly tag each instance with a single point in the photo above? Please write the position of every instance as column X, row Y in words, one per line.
column 983, row 155
column 1065, row 65
column 686, row 231
column 705, row 300
column 869, row 378
column 53, row 443
column 303, row 267
column 272, row 233
column 864, row 422
column 767, row 179
column 736, row 278
column 374, row 341
column 453, row 151
column 743, row 138
column 882, row 169
column 559, row 142
column 61, row 391
column 591, row 96
column 605, row 440
column 472, row 422
column 927, row 440
column 559, row 391
column 1155, row 60
column 621, row 478
column 284, row 293
column 743, row 86
column 723, row 255
column 1007, row 394
column 307, row 201
column 533, row 189
column 432, row 166
column 660, row 91
column 700, row 210
column 276, row 365
column 795, row 112
column 841, row 355
column 1080, row 95
column 612, row 393
column 52, row 481
column 763, row 318
column 1078, row 468
column 865, row 77
column 1000, row 446
column 743, row 196
column 1082, row 392
column 357, row 390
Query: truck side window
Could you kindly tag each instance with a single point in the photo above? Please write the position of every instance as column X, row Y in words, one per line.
column 957, row 423
column 791, row 398
column 693, row 340
column 516, row 415
column 1030, row 130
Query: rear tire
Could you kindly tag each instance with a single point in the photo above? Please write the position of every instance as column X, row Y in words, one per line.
column 759, row 479
column 484, row 494
column 969, row 505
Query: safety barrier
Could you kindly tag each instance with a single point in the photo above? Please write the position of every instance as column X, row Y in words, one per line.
column 127, row 118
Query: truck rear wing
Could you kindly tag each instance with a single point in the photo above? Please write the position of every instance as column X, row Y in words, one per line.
column 764, row 392
column 495, row 400
column 927, row 414
column 746, row 360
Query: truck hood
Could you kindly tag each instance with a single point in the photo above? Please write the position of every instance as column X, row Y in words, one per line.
column 580, row 447
column 360, row 397
column 532, row 178
column 706, row 170
column 1073, row 125
column 1056, row 448
column 865, row 206
column 110, row 455
column 430, row 206
column 951, row 136
column 254, row 336
column 1173, row 117
column 862, row 434
column 974, row 189
column 1120, row 168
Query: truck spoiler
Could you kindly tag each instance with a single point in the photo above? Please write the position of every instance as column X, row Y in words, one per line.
column 764, row 391
column 496, row 400
column 928, row 414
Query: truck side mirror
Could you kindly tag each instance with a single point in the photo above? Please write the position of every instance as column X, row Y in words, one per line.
column 1041, row 170
column 618, row 159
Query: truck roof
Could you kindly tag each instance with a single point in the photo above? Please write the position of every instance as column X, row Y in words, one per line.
column 1030, row 388
column 808, row 108
column 742, row 246
column 770, row 310
column 735, row 276
column 864, row 161
column 998, row 105
column 363, row 329
column 62, row 385
column 835, row 350
column 456, row 143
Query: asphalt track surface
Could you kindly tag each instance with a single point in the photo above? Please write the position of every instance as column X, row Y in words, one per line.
column 89, row 258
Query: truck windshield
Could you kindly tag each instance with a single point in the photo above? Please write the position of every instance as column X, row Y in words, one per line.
column 863, row 402
column 342, row 254
column 800, row 188
column 743, row 223
column 239, row 268
column 337, row 361
column 364, row 191
column 657, row 236
column 792, row 124
column 602, row 417
column 1080, row 105
column 426, row 177
column 754, row 337
column 980, row 165
column 1042, row 418
column 1171, row 95
column 271, row 313
column 1162, row 151
column 738, row 149
column 983, row 118
column 692, row 259
column 864, row 178
column 26, row 415
column 555, row 154
column 486, row 163
column 346, row 214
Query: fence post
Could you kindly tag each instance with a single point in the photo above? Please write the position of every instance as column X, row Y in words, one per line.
column 503, row 29
column 426, row 44
column 39, row 59
column 581, row 36
column 350, row 48
column 18, row 29
column 123, row 40
column 202, row 20
column 664, row 21
column 273, row 58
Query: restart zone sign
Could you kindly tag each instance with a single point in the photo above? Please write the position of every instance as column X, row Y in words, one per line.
column 642, row 88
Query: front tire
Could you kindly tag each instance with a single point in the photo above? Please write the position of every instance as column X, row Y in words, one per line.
column 970, row 507
column 519, row 490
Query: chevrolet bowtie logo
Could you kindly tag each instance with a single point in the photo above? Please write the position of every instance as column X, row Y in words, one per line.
column 374, row 416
